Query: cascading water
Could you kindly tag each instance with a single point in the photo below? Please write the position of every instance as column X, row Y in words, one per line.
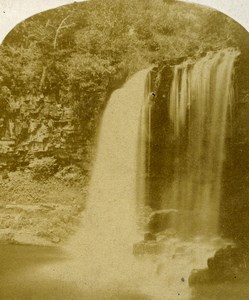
column 113, row 189
column 144, row 149
column 109, row 229
column 200, row 102
column 103, row 266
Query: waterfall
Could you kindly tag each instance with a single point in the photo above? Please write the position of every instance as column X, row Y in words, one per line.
column 109, row 228
column 144, row 147
column 102, row 264
column 113, row 189
column 201, row 99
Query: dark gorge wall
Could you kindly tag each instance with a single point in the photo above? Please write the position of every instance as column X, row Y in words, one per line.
column 235, row 200
column 161, row 169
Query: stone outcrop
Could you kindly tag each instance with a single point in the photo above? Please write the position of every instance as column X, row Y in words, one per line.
column 159, row 220
column 230, row 264
column 38, row 126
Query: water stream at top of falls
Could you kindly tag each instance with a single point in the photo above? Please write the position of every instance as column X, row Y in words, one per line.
column 200, row 106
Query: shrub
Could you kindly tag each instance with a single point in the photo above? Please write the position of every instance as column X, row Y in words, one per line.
column 43, row 168
column 69, row 175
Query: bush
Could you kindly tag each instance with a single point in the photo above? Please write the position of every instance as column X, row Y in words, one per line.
column 43, row 168
column 69, row 175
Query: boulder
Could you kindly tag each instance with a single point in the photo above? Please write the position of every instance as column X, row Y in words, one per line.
column 226, row 258
column 160, row 220
column 199, row 276
column 148, row 236
column 230, row 264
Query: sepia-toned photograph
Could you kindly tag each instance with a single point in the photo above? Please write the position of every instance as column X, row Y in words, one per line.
column 124, row 151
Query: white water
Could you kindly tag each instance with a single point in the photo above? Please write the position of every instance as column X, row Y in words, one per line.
column 143, row 147
column 103, row 263
column 110, row 226
column 200, row 103
column 109, row 229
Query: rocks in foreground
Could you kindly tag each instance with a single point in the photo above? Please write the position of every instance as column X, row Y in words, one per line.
column 230, row 264
column 150, row 245
column 153, row 244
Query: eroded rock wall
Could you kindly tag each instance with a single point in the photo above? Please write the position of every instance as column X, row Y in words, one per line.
column 38, row 126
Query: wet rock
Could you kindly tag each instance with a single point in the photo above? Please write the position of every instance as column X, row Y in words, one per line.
column 148, row 236
column 228, row 265
column 200, row 276
column 160, row 220
column 150, row 247
column 226, row 258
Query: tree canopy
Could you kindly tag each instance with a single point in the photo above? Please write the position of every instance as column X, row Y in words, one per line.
column 78, row 53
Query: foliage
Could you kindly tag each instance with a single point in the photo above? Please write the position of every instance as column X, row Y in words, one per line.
column 43, row 168
column 70, row 175
column 219, row 30
column 79, row 53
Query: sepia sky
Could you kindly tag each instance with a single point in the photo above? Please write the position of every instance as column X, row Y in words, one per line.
column 13, row 12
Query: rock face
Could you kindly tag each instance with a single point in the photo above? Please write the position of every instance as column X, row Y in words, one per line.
column 38, row 126
column 229, row 264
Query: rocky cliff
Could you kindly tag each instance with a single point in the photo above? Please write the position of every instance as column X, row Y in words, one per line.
column 38, row 126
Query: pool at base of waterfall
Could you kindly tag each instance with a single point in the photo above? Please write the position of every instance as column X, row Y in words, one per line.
column 31, row 272
column 22, row 278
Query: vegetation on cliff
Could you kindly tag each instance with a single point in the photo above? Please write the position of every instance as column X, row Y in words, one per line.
column 77, row 54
